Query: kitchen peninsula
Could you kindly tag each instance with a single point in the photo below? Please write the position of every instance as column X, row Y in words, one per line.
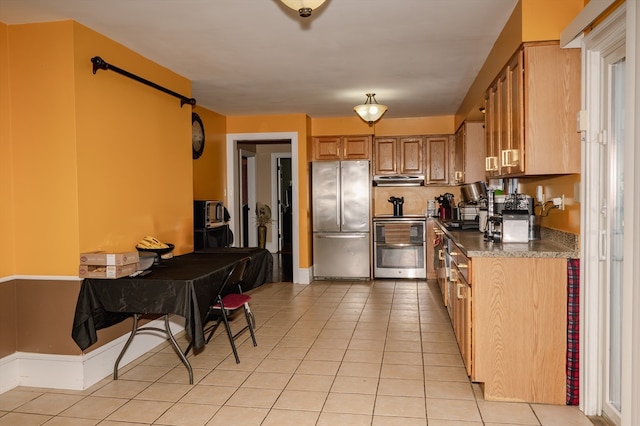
column 508, row 308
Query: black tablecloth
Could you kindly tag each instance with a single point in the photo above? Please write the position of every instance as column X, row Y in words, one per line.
column 184, row 285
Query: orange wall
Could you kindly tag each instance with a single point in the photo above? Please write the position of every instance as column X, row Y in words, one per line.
column 545, row 19
column 43, row 148
column 555, row 186
column 98, row 159
column 7, row 230
column 134, row 156
column 209, row 171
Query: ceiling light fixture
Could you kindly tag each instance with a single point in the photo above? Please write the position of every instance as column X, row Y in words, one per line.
column 370, row 111
column 303, row 7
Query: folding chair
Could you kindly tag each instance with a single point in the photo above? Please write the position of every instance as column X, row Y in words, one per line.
column 227, row 302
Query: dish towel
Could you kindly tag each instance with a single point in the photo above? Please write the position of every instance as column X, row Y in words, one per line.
column 573, row 331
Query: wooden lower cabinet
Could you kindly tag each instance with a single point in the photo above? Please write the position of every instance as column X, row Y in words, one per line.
column 518, row 323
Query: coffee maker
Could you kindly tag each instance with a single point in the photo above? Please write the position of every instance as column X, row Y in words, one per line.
column 397, row 205
column 445, row 202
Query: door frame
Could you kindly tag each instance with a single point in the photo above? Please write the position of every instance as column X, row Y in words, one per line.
column 251, row 194
column 622, row 23
column 275, row 177
column 232, row 187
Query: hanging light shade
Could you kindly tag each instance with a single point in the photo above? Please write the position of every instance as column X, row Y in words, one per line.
column 370, row 111
column 303, row 7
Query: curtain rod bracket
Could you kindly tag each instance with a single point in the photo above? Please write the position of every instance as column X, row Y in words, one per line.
column 101, row 64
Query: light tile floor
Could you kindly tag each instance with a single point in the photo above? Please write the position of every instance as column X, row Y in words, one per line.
column 329, row 353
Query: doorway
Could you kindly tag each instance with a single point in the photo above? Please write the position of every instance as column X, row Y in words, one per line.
column 282, row 183
column 233, row 188
column 609, row 222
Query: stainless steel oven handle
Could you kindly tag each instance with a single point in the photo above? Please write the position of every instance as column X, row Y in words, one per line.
column 342, row 236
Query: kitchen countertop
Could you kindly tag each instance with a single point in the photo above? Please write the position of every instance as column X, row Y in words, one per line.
column 473, row 244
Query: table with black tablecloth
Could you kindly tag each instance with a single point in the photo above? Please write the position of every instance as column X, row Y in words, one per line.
column 184, row 285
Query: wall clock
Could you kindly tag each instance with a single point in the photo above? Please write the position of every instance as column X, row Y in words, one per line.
column 197, row 135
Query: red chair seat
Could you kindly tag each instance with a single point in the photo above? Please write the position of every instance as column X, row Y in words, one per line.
column 233, row 301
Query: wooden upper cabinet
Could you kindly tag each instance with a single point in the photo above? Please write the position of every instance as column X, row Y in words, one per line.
column 385, row 156
column 469, row 158
column 438, row 154
column 332, row 148
column 398, row 155
column 531, row 113
column 411, row 158
column 356, row 147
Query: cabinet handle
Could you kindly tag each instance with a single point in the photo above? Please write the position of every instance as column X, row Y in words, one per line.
column 463, row 266
column 458, row 176
column 505, row 159
column 458, row 288
column 440, row 255
column 491, row 164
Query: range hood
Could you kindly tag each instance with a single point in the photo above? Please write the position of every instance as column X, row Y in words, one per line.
column 398, row 180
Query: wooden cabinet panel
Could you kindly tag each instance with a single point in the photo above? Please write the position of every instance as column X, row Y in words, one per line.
column 411, row 161
column 519, row 314
column 333, row 148
column 326, row 148
column 437, row 148
column 469, row 153
column 385, row 156
column 356, row 147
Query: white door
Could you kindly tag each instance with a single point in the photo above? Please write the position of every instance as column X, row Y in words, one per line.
column 612, row 227
column 608, row 254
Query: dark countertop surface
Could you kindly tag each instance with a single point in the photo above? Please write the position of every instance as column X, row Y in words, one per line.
column 473, row 244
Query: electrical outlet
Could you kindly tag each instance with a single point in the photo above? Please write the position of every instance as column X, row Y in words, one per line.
column 558, row 202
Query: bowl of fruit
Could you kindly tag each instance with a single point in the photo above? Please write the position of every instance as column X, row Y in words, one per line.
column 153, row 245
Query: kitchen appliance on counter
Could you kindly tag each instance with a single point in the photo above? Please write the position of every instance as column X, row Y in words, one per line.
column 397, row 205
column 400, row 247
column 341, row 219
column 515, row 226
column 473, row 193
column 445, row 209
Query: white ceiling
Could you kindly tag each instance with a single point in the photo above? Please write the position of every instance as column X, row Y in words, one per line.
column 259, row 57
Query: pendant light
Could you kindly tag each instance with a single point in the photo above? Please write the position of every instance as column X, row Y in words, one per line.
column 303, row 7
column 370, row 111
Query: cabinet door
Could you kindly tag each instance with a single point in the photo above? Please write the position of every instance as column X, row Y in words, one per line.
column 512, row 144
column 326, row 148
column 551, row 98
column 458, row 163
column 356, row 147
column 474, row 152
column 385, row 152
column 411, row 160
column 437, row 148
column 492, row 131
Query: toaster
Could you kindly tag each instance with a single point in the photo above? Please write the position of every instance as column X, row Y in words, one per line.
column 515, row 226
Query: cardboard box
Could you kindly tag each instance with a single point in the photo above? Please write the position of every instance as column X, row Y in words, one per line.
column 106, row 258
column 107, row 271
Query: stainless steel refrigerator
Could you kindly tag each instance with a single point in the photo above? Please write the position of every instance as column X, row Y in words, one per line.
column 341, row 194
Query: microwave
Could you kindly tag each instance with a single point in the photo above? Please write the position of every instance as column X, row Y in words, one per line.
column 208, row 213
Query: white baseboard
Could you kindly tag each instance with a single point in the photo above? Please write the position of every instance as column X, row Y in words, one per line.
column 79, row 372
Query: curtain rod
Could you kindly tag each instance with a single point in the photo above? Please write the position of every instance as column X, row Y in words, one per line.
column 100, row 64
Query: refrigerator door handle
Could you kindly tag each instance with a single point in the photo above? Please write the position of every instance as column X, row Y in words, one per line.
column 341, row 236
column 338, row 205
column 341, row 203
